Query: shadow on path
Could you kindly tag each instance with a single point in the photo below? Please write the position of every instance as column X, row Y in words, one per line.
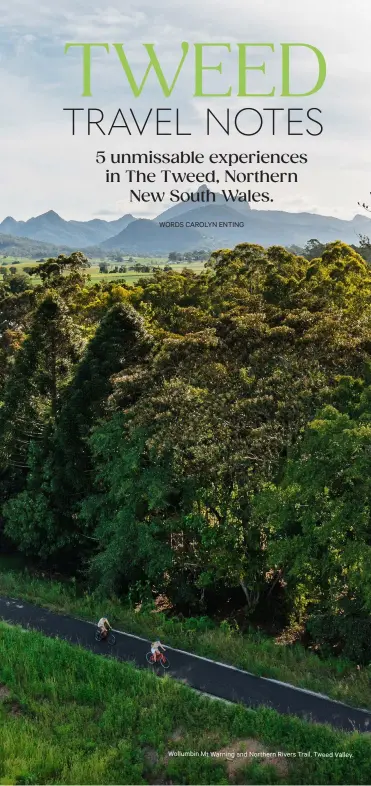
column 218, row 680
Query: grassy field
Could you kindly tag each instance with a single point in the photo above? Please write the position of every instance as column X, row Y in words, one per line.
column 254, row 652
column 95, row 275
column 5, row 260
column 71, row 717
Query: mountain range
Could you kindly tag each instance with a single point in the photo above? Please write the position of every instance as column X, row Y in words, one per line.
column 143, row 236
column 11, row 246
column 51, row 228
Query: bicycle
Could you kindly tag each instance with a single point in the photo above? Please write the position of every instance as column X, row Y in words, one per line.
column 111, row 638
column 150, row 658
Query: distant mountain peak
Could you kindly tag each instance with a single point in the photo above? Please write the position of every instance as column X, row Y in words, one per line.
column 51, row 214
column 123, row 221
column 221, row 200
column 9, row 225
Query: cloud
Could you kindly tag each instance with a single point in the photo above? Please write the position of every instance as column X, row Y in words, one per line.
column 106, row 212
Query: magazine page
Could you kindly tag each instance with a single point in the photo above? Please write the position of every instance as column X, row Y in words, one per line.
column 185, row 392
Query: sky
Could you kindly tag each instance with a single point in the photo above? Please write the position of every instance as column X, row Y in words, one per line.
column 44, row 167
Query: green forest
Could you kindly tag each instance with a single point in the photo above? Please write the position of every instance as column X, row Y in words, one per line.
column 203, row 438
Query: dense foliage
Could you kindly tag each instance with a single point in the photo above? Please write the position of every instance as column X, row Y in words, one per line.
column 204, row 437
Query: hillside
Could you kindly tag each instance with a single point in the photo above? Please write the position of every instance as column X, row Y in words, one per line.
column 267, row 227
column 11, row 246
column 68, row 716
column 147, row 237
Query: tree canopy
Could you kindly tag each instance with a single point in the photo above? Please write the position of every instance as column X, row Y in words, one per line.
column 205, row 436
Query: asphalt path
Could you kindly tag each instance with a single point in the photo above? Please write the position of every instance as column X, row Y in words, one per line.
column 209, row 677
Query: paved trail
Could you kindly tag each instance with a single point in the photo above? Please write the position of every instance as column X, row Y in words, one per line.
column 210, row 677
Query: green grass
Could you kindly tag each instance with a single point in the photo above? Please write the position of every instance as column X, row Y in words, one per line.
column 130, row 277
column 10, row 261
column 70, row 717
column 254, row 652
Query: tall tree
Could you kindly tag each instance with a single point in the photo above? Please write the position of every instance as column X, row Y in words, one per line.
column 32, row 401
column 61, row 472
column 119, row 342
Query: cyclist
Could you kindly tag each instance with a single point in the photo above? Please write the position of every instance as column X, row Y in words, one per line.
column 104, row 627
column 155, row 649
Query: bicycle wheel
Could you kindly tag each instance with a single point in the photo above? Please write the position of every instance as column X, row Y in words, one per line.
column 112, row 638
column 165, row 663
column 149, row 658
column 98, row 635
